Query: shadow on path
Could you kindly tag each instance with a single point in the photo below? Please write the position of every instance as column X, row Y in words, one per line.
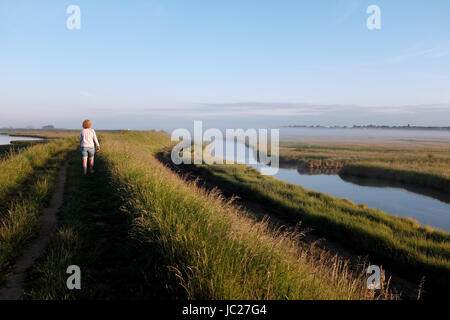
column 96, row 234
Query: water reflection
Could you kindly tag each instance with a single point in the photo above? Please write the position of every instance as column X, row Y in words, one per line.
column 6, row 139
column 370, row 182
column 426, row 206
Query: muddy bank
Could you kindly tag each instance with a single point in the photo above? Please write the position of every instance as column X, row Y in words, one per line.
column 407, row 178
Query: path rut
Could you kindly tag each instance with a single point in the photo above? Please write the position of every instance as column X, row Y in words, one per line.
column 13, row 288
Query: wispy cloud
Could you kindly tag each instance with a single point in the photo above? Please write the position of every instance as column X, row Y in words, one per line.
column 414, row 52
column 429, row 53
column 269, row 108
column 286, row 109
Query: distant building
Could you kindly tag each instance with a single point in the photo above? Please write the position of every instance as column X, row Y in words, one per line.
column 48, row 127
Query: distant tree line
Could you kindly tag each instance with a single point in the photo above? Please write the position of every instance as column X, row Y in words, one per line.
column 370, row 126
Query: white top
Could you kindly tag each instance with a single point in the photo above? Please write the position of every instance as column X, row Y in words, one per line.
column 88, row 137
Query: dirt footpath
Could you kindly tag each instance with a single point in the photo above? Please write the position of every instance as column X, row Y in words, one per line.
column 13, row 289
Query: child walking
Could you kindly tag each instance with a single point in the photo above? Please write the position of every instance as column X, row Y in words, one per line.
column 88, row 145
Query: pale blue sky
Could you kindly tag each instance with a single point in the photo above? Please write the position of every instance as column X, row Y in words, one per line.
column 144, row 64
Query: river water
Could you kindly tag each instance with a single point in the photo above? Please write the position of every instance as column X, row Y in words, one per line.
column 5, row 139
column 427, row 207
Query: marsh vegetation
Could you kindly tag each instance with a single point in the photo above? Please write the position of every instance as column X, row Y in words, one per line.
column 149, row 232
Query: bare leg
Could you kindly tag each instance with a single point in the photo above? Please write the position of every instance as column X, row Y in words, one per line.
column 85, row 165
column 91, row 162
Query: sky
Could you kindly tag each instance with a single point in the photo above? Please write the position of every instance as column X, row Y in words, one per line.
column 162, row 64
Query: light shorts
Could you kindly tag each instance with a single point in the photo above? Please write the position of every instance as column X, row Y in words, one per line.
column 87, row 151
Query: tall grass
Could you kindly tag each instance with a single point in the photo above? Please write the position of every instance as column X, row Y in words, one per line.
column 16, row 146
column 15, row 170
column 208, row 248
column 76, row 241
column 417, row 250
column 27, row 180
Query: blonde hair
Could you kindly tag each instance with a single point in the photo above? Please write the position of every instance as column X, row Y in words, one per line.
column 87, row 124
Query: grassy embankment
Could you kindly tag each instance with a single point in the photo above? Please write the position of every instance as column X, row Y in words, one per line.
column 192, row 243
column 15, row 146
column 423, row 164
column 27, row 178
column 401, row 242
